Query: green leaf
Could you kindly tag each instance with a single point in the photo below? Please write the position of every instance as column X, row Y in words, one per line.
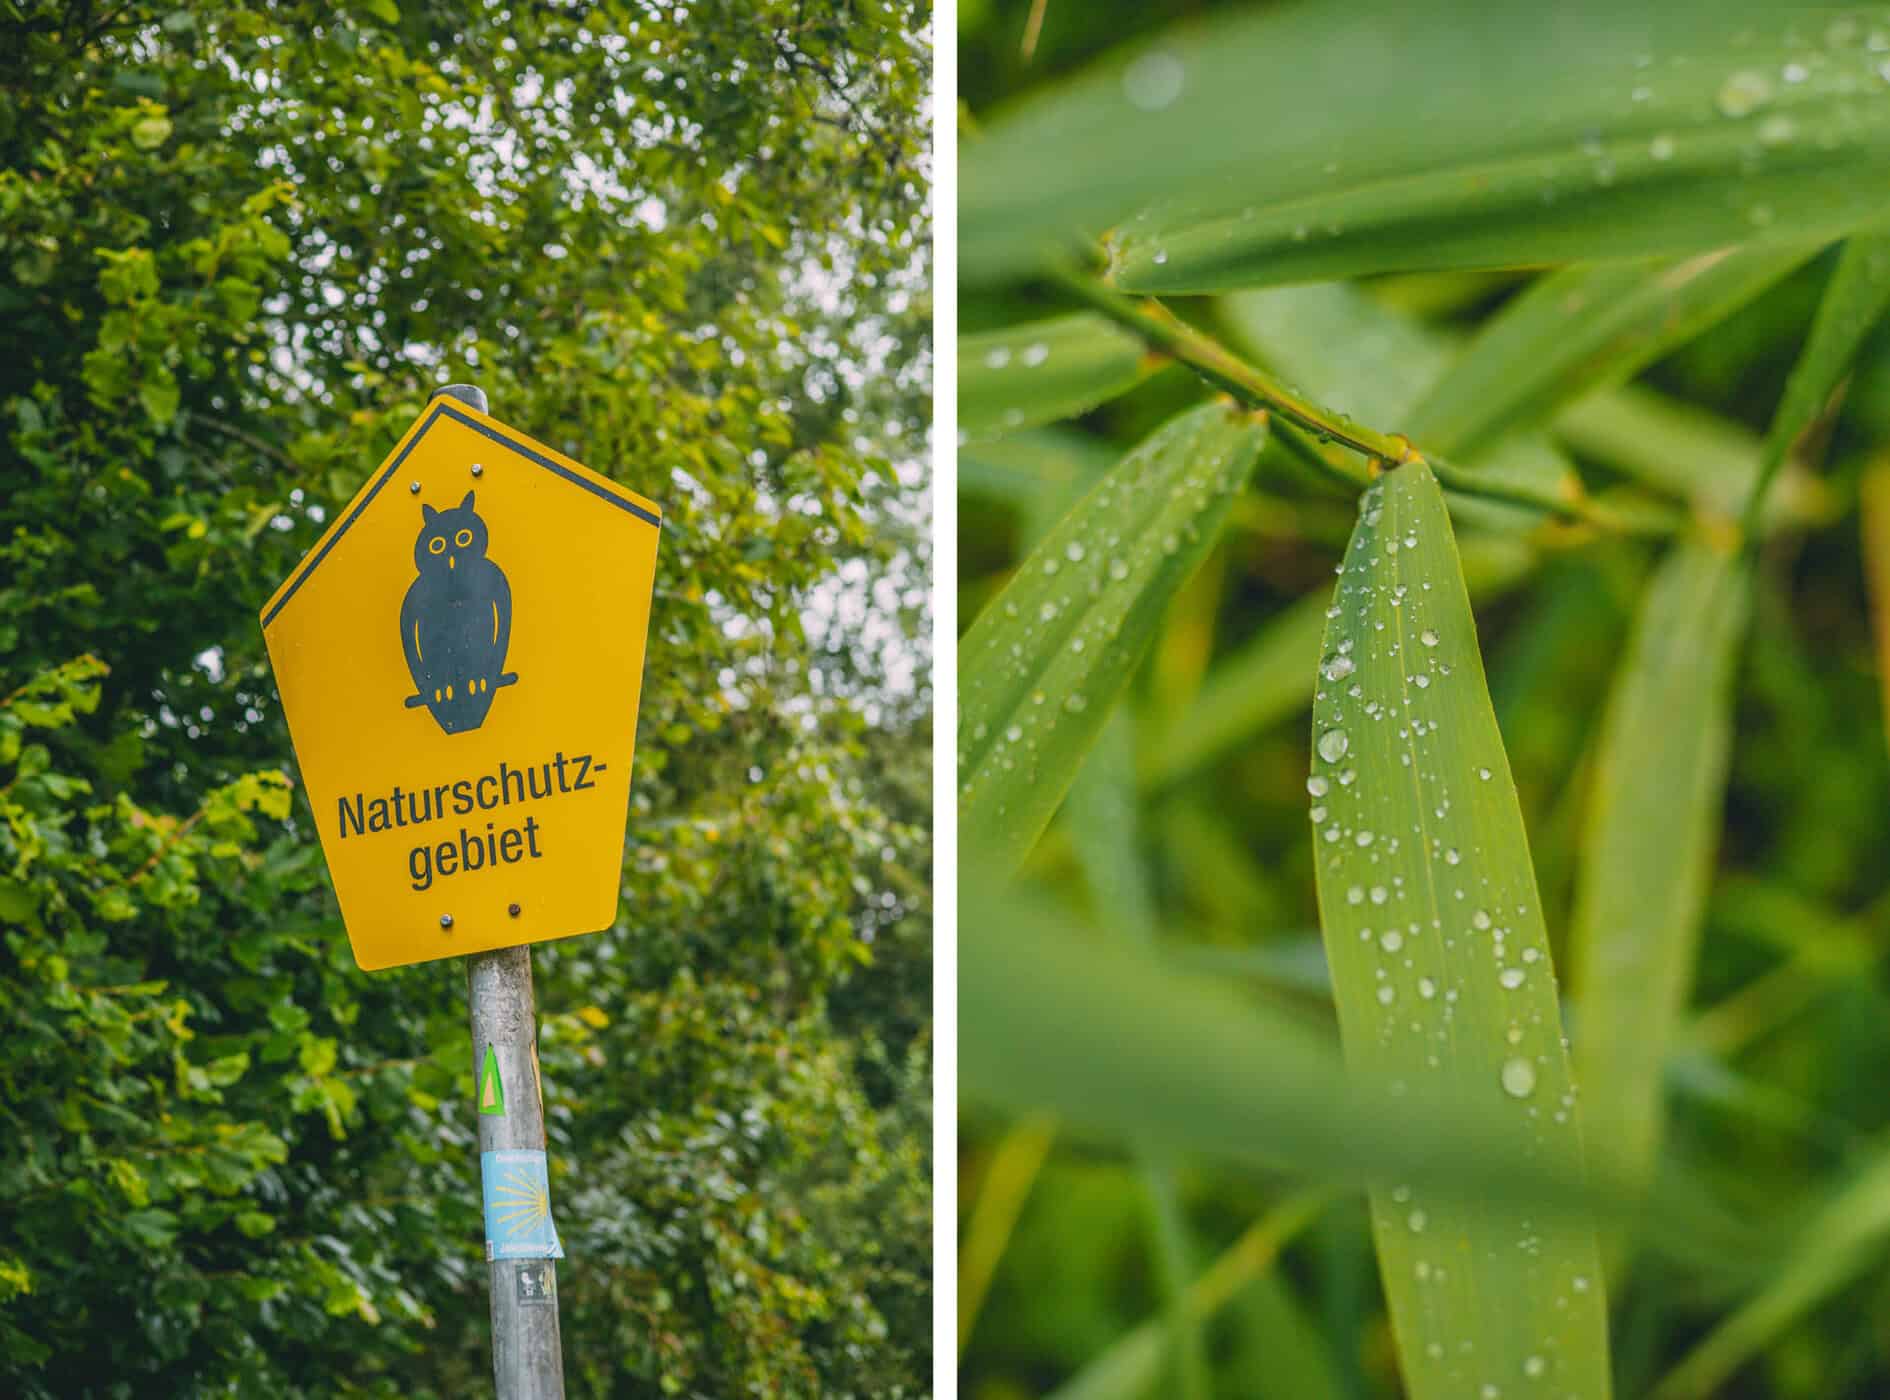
column 1584, row 328
column 1668, row 444
column 1044, row 370
column 1653, row 822
column 1117, row 1042
column 1101, row 817
column 1131, row 1367
column 1239, row 151
column 1047, row 658
column 148, row 133
column 1843, row 1240
column 1439, row 956
column 1858, row 292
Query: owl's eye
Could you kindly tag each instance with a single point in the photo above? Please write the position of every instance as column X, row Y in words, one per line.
column 463, row 538
column 437, row 545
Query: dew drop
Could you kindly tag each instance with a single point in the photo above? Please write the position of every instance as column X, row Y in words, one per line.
column 1337, row 668
column 1317, row 785
column 1743, row 93
column 1511, row 978
column 1391, row 940
column 1364, row 839
column 1480, row 919
column 1333, row 745
column 1355, row 895
column 1534, row 1366
column 1426, row 988
column 1777, row 130
column 1484, row 774
column 1387, row 995
column 1428, row 637
column 1662, row 147
column 998, row 357
column 1036, row 354
column 1074, row 552
column 1417, row 1220
column 1519, row 1078
column 1379, row 894
column 1118, row 569
column 1154, row 81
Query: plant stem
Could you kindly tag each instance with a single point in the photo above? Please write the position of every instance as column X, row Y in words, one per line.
column 1214, row 362
column 1166, row 333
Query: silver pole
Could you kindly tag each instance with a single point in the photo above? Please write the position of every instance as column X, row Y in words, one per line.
column 527, row 1357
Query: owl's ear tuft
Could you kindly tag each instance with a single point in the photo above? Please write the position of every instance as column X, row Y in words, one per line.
column 427, row 512
column 467, row 503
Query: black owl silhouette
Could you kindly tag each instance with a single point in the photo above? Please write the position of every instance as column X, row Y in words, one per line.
column 456, row 619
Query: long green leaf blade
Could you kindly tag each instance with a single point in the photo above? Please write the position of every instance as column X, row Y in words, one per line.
column 1845, row 1238
column 1131, row 1367
column 1583, row 328
column 1036, row 373
column 1653, row 824
column 1044, row 662
column 1439, row 956
column 1315, row 142
column 1858, row 292
column 1101, row 818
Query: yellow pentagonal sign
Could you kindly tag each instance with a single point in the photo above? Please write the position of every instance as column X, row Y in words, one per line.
column 460, row 658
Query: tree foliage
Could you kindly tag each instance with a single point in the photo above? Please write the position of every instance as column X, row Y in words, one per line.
column 238, row 247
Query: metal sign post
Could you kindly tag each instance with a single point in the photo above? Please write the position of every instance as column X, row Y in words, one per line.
column 527, row 1362
column 527, row 1355
column 460, row 657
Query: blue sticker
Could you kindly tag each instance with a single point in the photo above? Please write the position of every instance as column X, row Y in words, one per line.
column 518, row 1206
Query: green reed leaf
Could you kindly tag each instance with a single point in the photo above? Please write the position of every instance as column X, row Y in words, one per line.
column 1846, row 1237
column 1047, row 658
column 1036, row 373
column 1131, row 1367
column 1653, row 823
column 1440, row 960
column 1582, row 328
column 1320, row 141
column 1101, row 819
column 1856, row 296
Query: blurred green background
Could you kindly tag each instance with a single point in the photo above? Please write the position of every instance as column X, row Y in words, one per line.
column 1779, row 1088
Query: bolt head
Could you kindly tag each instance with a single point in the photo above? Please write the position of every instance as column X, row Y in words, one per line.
column 512, row 909
column 478, row 470
column 414, row 487
column 446, row 921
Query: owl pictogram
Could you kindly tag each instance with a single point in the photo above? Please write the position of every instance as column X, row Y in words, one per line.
column 456, row 619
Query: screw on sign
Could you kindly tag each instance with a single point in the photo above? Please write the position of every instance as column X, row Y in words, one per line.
column 463, row 713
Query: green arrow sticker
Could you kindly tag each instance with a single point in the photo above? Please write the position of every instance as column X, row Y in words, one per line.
column 491, row 1087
